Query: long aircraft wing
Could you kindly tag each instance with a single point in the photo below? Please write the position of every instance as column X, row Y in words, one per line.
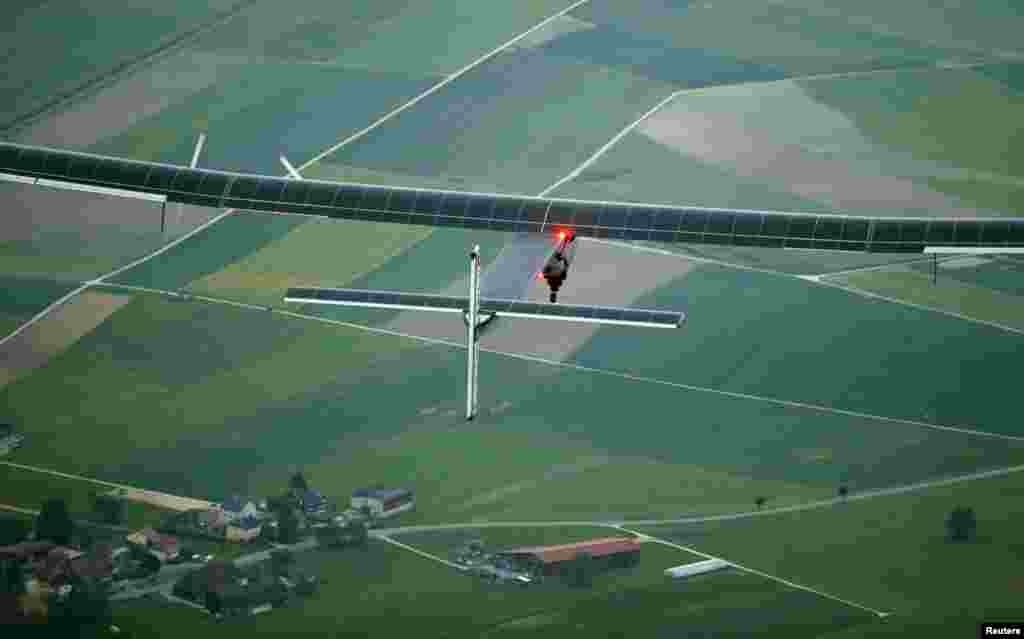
column 500, row 308
column 514, row 213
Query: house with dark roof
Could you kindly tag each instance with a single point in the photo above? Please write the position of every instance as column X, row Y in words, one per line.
column 235, row 508
column 246, row 528
column 313, row 502
column 97, row 564
column 606, row 552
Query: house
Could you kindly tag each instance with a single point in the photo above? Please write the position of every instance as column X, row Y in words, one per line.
column 198, row 522
column 55, row 567
column 164, row 547
column 313, row 502
column 246, row 528
column 97, row 565
column 26, row 550
column 236, row 508
column 608, row 552
column 383, row 502
column 212, row 518
column 9, row 440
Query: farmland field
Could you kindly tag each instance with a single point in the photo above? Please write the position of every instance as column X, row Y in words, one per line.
column 189, row 374
column 892, row 550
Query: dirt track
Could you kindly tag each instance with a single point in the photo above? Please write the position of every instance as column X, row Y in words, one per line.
column 603, row 275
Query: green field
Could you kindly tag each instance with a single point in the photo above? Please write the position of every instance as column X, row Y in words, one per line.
column 522, row 120
column 921, row 116
column 294, row 80
column 890, row 553
column 638, row 169
column 948, row 293
column 780, row 34
column 273, row 95
column 21, row 298
column 97, row 38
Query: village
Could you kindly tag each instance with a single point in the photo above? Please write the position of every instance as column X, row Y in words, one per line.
column 62, row 568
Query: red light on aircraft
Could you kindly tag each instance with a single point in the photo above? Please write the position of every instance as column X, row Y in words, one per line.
column 540, row 275
column 561, row 235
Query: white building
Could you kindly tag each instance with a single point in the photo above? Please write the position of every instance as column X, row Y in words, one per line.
column 697, row 568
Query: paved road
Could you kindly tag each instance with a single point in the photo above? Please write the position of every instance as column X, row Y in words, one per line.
column 165, row 579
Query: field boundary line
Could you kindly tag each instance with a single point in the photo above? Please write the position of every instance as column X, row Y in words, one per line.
column 753, row 571
column 880, row 267
column 706, row 260
column 610, row 143
column 421, row 553
column 440, row 85
column 99, row 482
column 600, row 371
column 921, row 307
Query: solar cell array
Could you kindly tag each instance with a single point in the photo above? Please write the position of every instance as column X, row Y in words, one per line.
column 513, row 213
column 501, row 308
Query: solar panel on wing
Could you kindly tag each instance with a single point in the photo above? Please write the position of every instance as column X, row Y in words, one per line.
column 509, row 308
column 510, row 212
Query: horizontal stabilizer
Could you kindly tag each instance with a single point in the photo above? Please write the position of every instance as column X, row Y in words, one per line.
column 499, row 308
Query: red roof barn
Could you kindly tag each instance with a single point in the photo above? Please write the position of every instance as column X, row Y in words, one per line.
column 611, row 551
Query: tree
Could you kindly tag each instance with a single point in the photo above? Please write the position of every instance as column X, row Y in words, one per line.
column 961, row 524
column 360, row 535
column 581, row 569
column 287, row 525
column 87, row 607
column 759, row 502
column 843, row 492
column 12, row 579
column 281, row 561
column 13, row 530
column 298, row 483
column 54, row 523
column 213, row 603
column 108, row 509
